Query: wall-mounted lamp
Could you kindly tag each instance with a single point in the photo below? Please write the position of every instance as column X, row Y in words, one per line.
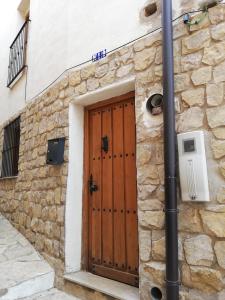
column 154, row 104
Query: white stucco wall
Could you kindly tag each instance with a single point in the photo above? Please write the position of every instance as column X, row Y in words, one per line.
column 10, row 22
column 63, row 33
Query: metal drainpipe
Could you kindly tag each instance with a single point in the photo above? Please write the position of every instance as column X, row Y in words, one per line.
column 172, row 274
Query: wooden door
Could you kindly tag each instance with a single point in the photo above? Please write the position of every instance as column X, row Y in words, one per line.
column 112, row 190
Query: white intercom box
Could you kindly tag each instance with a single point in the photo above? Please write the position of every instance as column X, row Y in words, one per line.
column 193, row 167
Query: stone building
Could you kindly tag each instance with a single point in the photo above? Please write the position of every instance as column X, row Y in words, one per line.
column 106, row 200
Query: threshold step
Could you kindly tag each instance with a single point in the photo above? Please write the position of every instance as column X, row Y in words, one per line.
column 93, row 283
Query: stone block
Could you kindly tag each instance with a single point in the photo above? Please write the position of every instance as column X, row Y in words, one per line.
column 145, row 245
column 219, row 133
column 158, row 57
column 139, row 45
column 81, row 88
column 222, row 168
column 217, row 14
column 186, row 214
column 205, row 279
column 92, row 84
column 101, row 70
column 74, row 78
column 194, row 96
column 221, row 196
column 219, row 73
column 218, row 32
column 60, row 214
column 213, row 223
column 150, row 204
column 154, row 39
column 180, row 30
column 190, row 119
column 88, row 71
column 64, row 83
column 181, row 82
column 124, row 70
column 147, row 174
column 191, row 61
column 215, row 116
column 146, row 77
column 127, row 57
column 145, row 191
column 108, row 78
column 198, row 251
column 158, row 249
column 214, row 94
column 155, row 271
column 159, row 72
column 202, row 75
column 152, row 219
column 214, row 55
column 203, row 24
column 144, row 58
column 196, row 41
column 218, row 148
column 220, row 253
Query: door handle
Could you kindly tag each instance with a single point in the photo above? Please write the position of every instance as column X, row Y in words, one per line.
column 92, row 186
column 105, row 144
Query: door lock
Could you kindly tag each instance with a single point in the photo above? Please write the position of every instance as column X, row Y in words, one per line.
column 105, row 144
column 92, row 186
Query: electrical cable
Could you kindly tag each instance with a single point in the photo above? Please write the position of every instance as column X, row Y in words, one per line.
column 115, row 49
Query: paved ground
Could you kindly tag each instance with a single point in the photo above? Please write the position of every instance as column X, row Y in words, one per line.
column 23, row 272
column 53, row 294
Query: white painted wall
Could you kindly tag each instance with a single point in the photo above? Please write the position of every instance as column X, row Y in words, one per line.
column 10, row 23
column 64, row 33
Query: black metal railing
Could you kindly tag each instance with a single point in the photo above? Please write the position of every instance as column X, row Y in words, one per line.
column 10, row 153
column 17, row 55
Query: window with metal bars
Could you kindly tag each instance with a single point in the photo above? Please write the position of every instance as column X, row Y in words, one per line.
column 17, row 54
column 10, row 153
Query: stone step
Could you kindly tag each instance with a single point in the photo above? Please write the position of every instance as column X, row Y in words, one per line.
column 87, row 286
column 23, row 271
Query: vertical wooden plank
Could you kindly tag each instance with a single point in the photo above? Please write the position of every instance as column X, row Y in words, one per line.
column 118, row 189
column 130, row 187
column 107, row 192
column 95, row 198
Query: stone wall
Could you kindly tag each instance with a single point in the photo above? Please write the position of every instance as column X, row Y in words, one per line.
column 199, row 85
column 34, row 201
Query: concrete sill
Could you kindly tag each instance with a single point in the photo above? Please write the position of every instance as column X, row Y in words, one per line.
column 103, row 285
column 10, row 177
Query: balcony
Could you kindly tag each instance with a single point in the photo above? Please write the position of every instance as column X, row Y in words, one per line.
column 17, row 55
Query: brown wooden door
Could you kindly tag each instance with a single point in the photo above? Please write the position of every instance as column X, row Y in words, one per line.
column 113, row 233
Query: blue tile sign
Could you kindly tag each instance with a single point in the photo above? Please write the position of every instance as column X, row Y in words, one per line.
column 99, row 55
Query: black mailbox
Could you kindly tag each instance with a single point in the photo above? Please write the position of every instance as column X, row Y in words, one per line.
column 55, row 154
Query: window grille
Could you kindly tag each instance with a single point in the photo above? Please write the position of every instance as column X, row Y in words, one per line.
column 17, row 54
column 10, row 153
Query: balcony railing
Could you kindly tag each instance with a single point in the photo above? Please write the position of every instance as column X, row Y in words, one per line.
column 17, row 55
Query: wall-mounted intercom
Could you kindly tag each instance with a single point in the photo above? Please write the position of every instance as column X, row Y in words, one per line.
column 193, row 167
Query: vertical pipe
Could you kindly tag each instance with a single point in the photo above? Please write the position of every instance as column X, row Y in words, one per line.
column 172, row 275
